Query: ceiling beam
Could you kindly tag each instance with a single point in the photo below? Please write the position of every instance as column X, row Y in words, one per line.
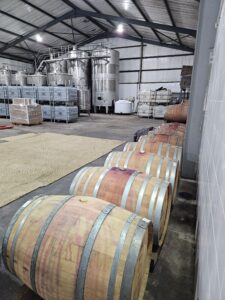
column 145, row 16
column 18, row 35
column 16, row 57
column 22, row 49
column 39, row 29
column 32, row 25
column 172, row 19
column 84, row 13
column 121, row 15
column 107, row 35
column 76, row 12
column 53, row 17
column 97, row 10
column 99, row 25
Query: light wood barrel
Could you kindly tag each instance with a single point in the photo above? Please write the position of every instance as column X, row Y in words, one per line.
column 174, row 139
column 66, row 247
column 170, row 128
column 147, row 196
column 161, row 149
column 177, row 113
column 151, row 164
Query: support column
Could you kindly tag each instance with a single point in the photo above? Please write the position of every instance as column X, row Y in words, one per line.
column 141, row 67
column 208, row 14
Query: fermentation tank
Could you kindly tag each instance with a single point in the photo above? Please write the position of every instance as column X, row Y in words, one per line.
column 57, row 72
column 105, row 77
column 57, row 66
column 19, row 78
column 78, row 68
column 37, row 79
column 59, row 79
column 5, row 77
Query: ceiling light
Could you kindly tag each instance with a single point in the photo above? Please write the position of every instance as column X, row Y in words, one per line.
column 120, row 28
column 38, row 38
column 126, row 5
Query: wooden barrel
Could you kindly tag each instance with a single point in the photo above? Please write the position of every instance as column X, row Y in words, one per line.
column 147, row 196
column 66, row 247
column 151, row 164
column 161, row 149
column 170, row 129
column 174, row 139
column 177, row 113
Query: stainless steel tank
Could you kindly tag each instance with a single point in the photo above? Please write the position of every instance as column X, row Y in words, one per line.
column 84, row 96
column 105, row 77
column 19, row 78
column 78, row 67
column 37, row 79
column 61, row 79
column 57, row 72
column 57, row 66
column 5, row 77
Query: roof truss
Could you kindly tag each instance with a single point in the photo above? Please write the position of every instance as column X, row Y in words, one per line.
column 106, row 35
column 91, row 15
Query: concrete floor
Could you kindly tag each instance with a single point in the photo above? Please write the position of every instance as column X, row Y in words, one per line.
column 173, row 276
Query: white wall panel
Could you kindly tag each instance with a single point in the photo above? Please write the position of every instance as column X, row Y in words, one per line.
column 167, row 62
column 129, row 77
column 162, row 76
column 128, row 90
column 154, row 50
column 130, row 52
column 133, row 64
column 211, row 274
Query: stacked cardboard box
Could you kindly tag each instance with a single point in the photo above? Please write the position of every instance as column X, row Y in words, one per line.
column 25, row 111
column 186, row 74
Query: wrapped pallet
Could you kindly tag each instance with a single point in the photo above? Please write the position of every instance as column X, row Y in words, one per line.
column 159, row 111
column 177, row 113
column 163, row 96
column 144, row 109
column 25, row 111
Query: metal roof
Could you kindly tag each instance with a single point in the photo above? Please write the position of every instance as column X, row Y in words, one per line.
column 167, row 23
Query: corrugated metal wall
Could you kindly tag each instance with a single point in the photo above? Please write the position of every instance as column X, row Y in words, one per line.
column 152, row 79
column 211, row 253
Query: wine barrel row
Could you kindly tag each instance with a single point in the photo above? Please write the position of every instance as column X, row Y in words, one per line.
column 55, row 244
column 161, row 149
column 151, row 164
column 173, row 139
column 170, row 128
column 147, row 196
column 67, row 247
